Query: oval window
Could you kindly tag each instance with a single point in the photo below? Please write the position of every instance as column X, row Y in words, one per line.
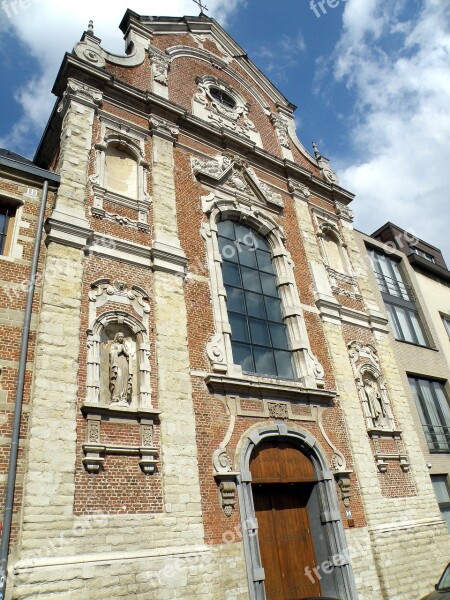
column 222, row 97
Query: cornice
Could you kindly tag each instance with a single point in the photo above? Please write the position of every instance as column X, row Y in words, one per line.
column 265, row 388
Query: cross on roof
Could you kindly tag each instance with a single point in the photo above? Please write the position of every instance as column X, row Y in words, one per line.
column 201, row 6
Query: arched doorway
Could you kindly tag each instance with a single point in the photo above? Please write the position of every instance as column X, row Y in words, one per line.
column 283, row 479
column 286, row 489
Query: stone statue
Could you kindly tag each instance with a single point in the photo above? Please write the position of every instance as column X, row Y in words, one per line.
column 120, row 371
column 375, row 401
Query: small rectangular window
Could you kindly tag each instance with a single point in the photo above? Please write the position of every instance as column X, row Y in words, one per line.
column 434, row 412
column 7, row 216
column 423, row 254
column 442, row 492
column 446, row 321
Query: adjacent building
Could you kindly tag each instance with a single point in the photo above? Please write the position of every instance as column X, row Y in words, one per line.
column 217, row 410
column 412, row 284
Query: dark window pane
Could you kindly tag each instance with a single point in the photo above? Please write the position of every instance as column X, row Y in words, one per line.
column 259, row 333
column 273, row 308
column 393, row 321
column 264, row 361
column 226, row 229
column 250, row 280
column 239, row 331
column 231, row 274
column 279, row 336
column 235, row 300
column 244, row 234
column 3, row 223
column 284, row 364
column 228, row 250
column 264, row 261
column 242, row 355
column 255, row 305
column 262, row 244
column 417, row 328
column 246, row 256
column 269, row 285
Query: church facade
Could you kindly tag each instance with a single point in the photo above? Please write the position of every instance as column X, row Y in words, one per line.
column 216, row 410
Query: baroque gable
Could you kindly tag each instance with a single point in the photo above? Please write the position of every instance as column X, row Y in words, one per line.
column 238, row 178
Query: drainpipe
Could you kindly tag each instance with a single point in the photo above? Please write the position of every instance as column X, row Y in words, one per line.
column 12, row 469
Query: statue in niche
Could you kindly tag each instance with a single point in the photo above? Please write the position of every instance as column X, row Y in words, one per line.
column 375, row 401
column 120, row 371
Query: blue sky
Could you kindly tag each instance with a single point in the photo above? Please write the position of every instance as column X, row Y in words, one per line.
column 371, row 79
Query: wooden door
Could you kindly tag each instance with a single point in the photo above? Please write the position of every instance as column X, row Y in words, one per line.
column 283, row 479
column 285, row 540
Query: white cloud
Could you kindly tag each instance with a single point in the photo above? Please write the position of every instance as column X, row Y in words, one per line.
column 49, row 28
column 400, row 127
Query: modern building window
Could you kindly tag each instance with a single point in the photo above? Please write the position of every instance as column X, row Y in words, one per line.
column 7, row 216
column 446, row 321
column 442, row 491
column 258, row 334
column 405, row 323
column 423, row 254
column 398, row 299
column 434, row 412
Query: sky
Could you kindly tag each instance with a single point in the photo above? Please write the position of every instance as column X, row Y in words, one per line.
column 371, row 79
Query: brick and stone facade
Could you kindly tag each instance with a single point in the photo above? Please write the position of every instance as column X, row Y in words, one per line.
column 21, row 193
column 151, row 496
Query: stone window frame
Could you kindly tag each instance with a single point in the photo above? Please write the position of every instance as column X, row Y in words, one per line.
column 114, row 132
column 327, row 496
column 330, row 230
column 14, row 248
column 307, row 368
column 207, row 108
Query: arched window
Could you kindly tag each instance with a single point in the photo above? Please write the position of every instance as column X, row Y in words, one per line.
column 258, row 334
column 121, row 171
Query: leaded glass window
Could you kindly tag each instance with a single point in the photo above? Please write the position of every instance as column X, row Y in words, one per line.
column 258, row 334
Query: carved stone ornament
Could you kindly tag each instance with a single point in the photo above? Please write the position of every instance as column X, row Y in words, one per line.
column 344, row 483
column 160, row 65
column 235, row 118
column 376, row 407
column 278, row 410
column 324, row 164
column 282, row 129
column 79, row 92
column 371, row 386
column 343, row 211
column 299, row 189
column 215, row 350
column 120, row 353
column 163, row 128
column 235, row 174
column 118, row 371
column 89, row 49
column 226, row 479
column 100, row 213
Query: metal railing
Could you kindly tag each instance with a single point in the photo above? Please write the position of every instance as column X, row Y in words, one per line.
column 438, row 437
column 394, row 287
